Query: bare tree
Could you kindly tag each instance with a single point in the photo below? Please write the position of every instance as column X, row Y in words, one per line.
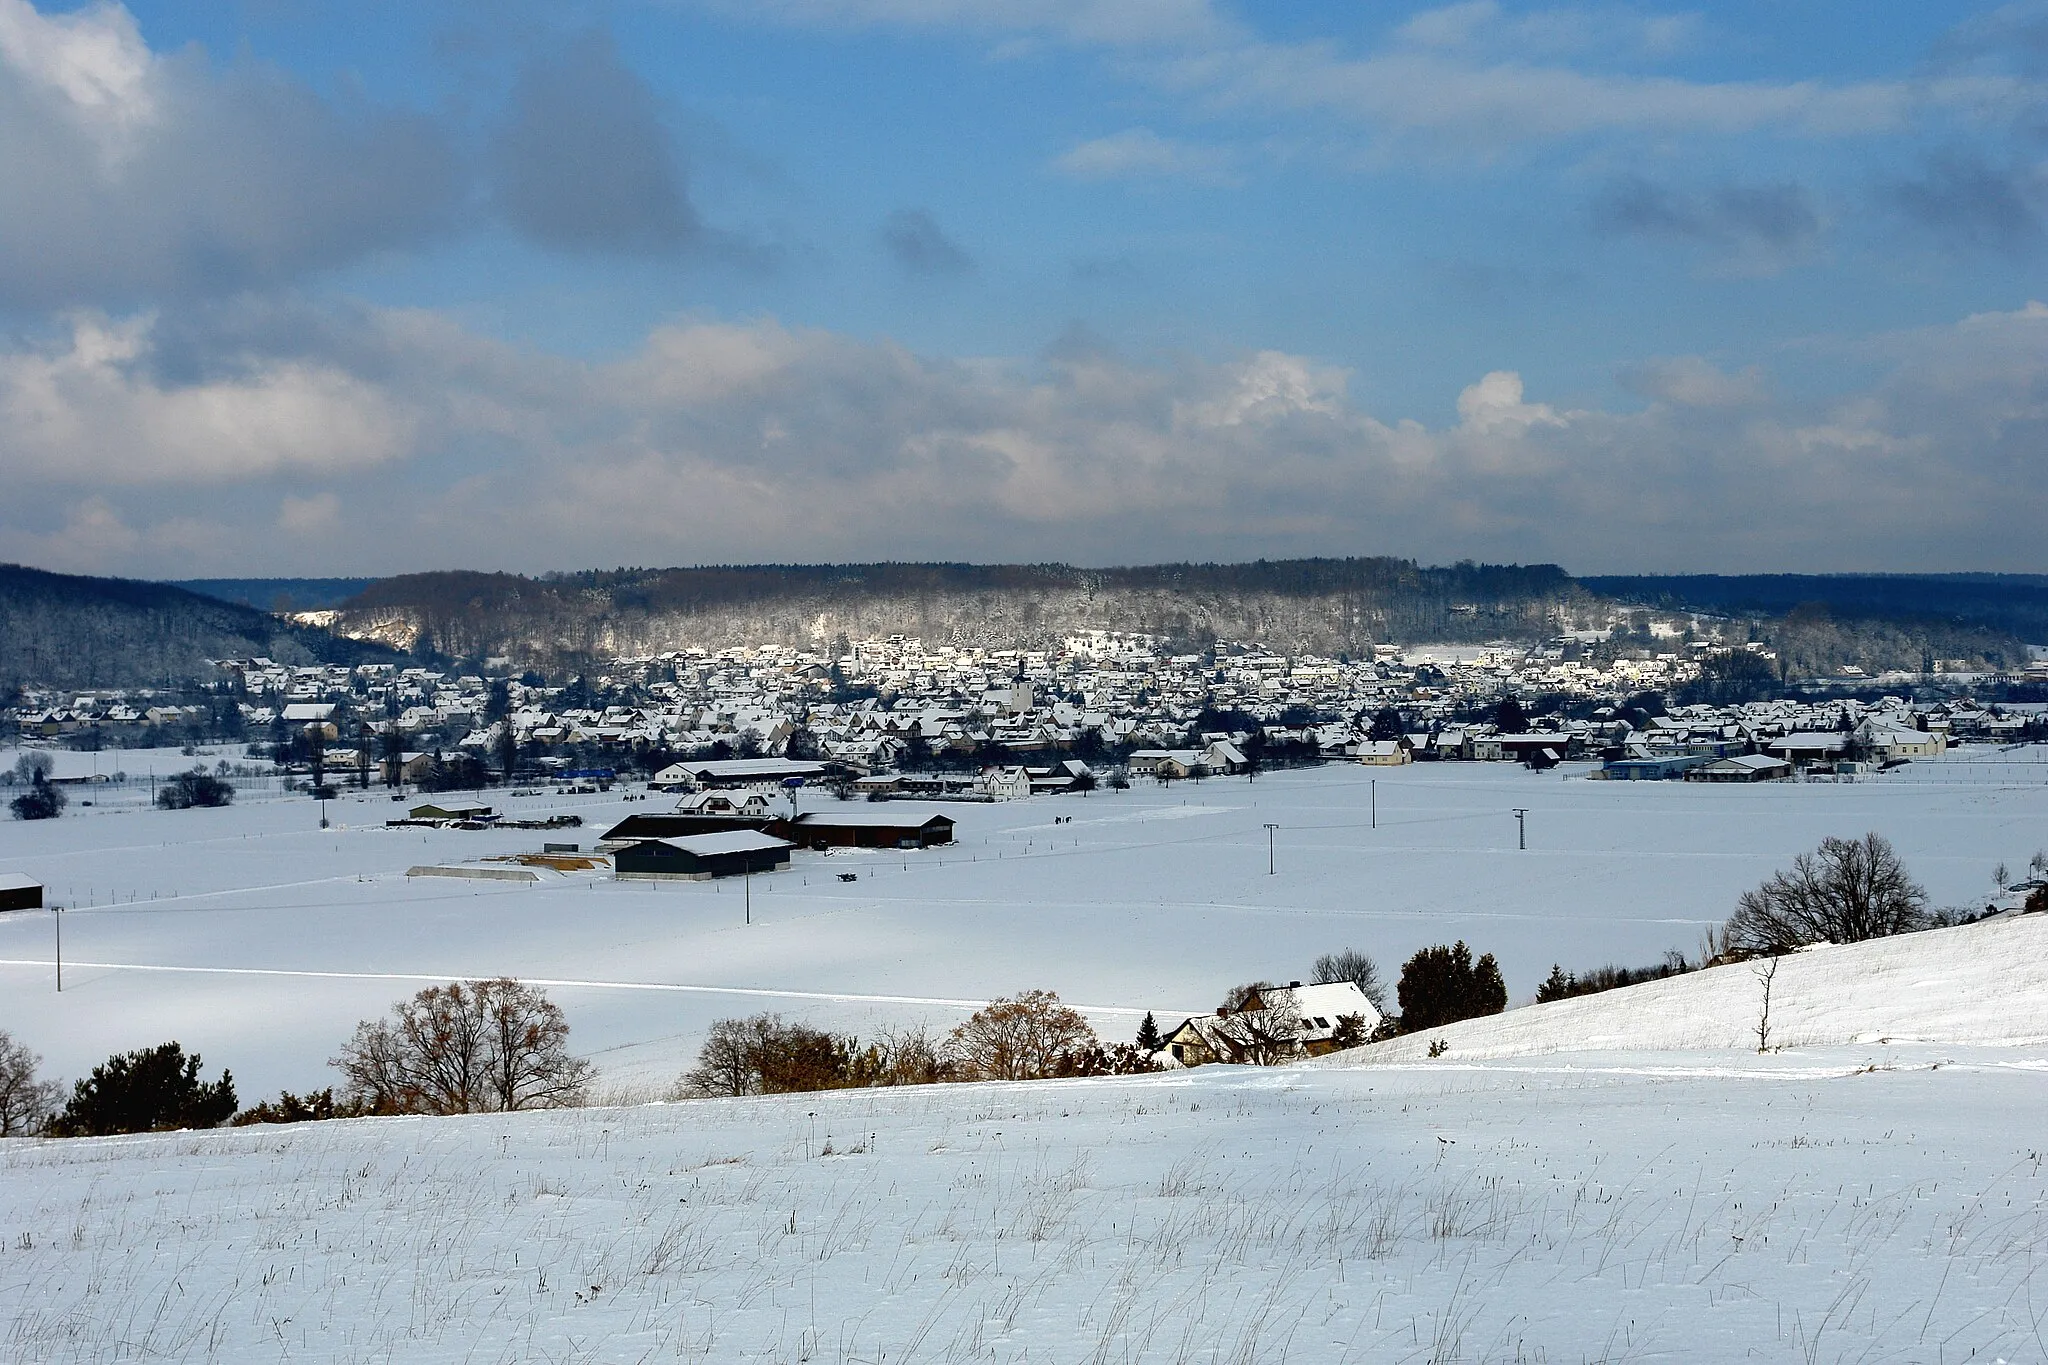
column 1846, row 891
column 25, row 1102
column 465, row 1048
column 1026, row 1038
column 1352, row 965
column 1265, row 1034
column 1765, row 977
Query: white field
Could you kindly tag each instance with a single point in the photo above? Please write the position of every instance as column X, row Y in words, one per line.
column 258, row 940
column 1622, row 1178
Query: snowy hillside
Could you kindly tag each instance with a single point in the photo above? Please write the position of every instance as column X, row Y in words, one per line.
column 1978, row 983
column 1845, row 1205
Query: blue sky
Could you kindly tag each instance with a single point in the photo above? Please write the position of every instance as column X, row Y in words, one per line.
column 294, row 287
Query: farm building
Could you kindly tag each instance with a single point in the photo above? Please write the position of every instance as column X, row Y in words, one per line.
column 454, row 810
column 866, row 829
column 736, row 772
column 19, row 892
column 636, row 828
column 1742, row 768
column 700, row 857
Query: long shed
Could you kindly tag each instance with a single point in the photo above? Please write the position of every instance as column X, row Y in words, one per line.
column 867, row 829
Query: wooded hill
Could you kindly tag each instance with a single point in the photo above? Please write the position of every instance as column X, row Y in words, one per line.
column 1323, row 606
column 72, row 631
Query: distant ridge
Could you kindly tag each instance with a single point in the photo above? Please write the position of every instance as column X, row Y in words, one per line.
column 75, row 631
column 2011, row 602
column 277, row 594
column 1322, row 606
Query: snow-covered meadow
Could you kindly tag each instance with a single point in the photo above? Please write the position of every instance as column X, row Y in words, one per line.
column 1836, row 1205
column 258, row 939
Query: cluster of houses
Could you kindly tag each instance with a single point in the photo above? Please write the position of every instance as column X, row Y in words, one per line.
column 882, row 710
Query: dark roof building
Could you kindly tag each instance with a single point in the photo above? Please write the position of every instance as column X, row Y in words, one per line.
column 18, row 892
column 635, row 828
column 866, row 829
column 700, row 857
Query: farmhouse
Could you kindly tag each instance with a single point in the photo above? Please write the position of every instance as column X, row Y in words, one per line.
column 19, row 892
column 1293, row 1020
column 700, row 857
column 866, row 829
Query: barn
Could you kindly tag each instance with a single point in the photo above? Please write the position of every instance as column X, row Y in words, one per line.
column 636, row 828
column 866, row 829
column 700, row 857
column 19, row 892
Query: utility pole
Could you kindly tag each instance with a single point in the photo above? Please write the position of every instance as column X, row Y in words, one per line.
column 1375, row 803
column 58, row 911
column 1521, row 827
column 747, row 887
column 1269, row 848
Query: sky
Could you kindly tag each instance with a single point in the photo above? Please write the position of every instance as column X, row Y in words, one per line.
column 290, row 287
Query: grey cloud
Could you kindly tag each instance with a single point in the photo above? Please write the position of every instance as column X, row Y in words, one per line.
column 1971, row 205
column 1757, row 228
column 584, row 162
column 394, row 439
column 132, row 176
column 914, row 240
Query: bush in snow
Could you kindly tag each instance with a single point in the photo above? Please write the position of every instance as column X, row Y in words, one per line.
column 1846, row 891
column 313, row 1107
column 1443, row 985
column 469, row 1047
column 764, row 1055
column 152, row 1090
column 1026, row 1038
column 40, row 802
column 196, row 788
column 25, row 1102
column 1563, row 985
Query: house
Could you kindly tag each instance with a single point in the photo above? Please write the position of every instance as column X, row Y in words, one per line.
column 407, row 767
column 750, row 805
column 312, row 716
column 1892, row 743
column 1274, row 1023
column 1005, row 783
column 20, row 892
column 866, row 829
column 1741, row 768
column 1383, row 753
column 701, row 857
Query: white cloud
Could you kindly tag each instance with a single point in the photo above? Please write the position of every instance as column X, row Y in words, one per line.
column 1141, row 154
column 91, row 411
column 742, row 442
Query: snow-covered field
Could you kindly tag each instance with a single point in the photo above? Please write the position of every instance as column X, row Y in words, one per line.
column 1618, row 1178
column 1620, row 1208
column 257, row 939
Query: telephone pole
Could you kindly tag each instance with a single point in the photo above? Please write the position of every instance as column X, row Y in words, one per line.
column 58, row 911
column 1269, row 848
column 1521, row 827
column 1375, row 803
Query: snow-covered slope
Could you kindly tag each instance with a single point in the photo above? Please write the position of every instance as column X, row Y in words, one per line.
column 1790, row 1207
column 1978, row 983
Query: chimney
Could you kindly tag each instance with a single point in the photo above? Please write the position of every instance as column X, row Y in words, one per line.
column 1294, row 985
column 1222, row 1011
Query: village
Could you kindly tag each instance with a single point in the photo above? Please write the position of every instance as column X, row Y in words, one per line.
column 898, row 718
